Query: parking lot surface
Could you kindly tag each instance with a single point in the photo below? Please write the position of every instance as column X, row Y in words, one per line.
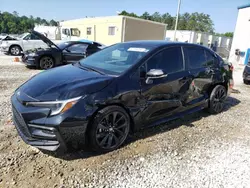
column 199, row 150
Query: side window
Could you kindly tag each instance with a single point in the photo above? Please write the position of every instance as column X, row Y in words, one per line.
column 34, row 37
column 75, row 32
column 89, row 30
column 195, row 57
column 78, row 48
column 27, row 37
column 169, row 60
column 66, row 32
column 211, row 60
column 111, row 31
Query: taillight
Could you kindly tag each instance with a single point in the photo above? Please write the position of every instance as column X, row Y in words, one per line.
column 231, row 67
column 231, row 83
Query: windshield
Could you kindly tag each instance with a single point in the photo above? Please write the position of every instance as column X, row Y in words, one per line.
column 23, row 35
column 63, row 45
column 118, row 58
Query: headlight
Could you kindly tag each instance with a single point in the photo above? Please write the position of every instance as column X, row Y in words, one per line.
column 33, row 54
column 56, row 107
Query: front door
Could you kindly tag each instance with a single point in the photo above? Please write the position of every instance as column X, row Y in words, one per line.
column 165, row 96
column 75, row 52
column 28, row 44
column 202, row 66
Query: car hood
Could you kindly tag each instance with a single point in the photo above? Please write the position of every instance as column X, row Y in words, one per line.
column 62, row 83
column 45, row 39
column 37, row 50
column 7, row 37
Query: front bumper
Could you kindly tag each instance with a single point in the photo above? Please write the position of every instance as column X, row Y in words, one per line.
column 52, row 134
column 4, row 49
column 29, row 60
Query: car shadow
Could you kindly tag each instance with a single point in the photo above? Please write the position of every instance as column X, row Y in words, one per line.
column 186, row 120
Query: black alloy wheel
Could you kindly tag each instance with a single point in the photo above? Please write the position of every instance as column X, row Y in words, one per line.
column 46, row 63
column 110, row 129
column 217, row 99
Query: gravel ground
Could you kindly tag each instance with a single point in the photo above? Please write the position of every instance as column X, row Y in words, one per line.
column 199, row 150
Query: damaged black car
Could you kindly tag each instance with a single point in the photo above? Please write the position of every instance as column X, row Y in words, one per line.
column 120, row 89
column 61, row 54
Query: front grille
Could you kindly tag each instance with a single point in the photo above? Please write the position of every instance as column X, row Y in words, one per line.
column 20, row 123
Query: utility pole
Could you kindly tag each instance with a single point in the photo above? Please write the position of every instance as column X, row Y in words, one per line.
column 177, row 17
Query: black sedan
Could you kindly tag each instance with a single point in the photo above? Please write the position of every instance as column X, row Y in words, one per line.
column 63, row 53
column 246, row 74
column 122, row 88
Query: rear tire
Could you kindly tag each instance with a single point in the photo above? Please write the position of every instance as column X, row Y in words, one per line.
column 217, row 99
column 246, row 82
column 109, row 129
column 46, row 62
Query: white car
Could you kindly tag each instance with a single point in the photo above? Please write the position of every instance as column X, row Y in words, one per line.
column 16, row 45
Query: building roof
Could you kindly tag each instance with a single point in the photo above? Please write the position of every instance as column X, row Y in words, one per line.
column 244, row 6
column 114, row 17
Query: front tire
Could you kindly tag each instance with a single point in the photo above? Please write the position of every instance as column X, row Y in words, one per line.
column 46, row 62
column 15, row 50
column 109, row 129
column 217, row 99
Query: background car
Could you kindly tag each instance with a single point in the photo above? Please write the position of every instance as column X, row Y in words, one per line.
column 246, row 74
column 122, row 88
column 16, row 45
column 63, row 53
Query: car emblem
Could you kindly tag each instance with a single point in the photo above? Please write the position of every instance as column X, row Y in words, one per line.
column 18, row 93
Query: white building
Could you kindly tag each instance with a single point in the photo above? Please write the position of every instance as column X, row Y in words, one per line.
column 221, row 45
column 199, row 38
column 239, row 53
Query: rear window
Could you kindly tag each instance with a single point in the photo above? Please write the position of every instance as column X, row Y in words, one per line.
column 211, row 60
column 195, row 57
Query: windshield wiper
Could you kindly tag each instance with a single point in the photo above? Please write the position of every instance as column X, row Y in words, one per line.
column 90, row 68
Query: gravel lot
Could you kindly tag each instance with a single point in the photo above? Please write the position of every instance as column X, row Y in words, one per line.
column 200, row 150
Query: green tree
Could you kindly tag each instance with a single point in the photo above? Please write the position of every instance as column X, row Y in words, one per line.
column 13, row 23
column 146, row 16
column 229, row 34
column 53, row 23
column 200, row 22
column 169, row 20
column 156, row 17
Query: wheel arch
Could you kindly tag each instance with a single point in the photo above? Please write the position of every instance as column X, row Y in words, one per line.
column 132, row 122
column 15, row 45
column 210, row 89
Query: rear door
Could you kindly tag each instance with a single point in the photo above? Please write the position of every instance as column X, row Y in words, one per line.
column 201, row 66
column 165, row 96
column 75, row 52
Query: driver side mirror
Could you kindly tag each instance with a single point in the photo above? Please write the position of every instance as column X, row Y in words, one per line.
column 154, row 74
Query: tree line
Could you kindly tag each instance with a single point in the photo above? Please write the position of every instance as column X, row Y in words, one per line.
column 12, row 23
column 187, row 21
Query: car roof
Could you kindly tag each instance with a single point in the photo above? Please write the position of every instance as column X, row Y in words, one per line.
column 75, row 42
column 161, row 43
column 86, row 41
